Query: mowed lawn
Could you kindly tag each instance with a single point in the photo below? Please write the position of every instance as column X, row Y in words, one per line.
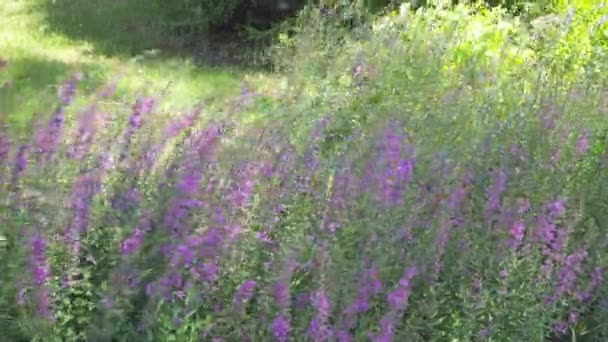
column 44, row 42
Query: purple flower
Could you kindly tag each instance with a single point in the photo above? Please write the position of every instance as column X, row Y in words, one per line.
column 84, row 134
column 67, row 91
column 47, row 138
column 149, row 288
column 558, row 208
column 20, row 160
column 281, row 294
column 279, row 328
column 397, row 298
column 369, row 287
column 517, row 233
column 178, row 125
column 40, row 268
column 129, row 245
column 320, row 303
column 21, row 296
column 385, row 331
column 560, row 328
column 126, row 200
column 241, row 193
column 263, row 237
column 207, row 271
column 524, row 205
column 503, row 273
column 44, row 303
column 5, row 146
column 343, row 336
column 182, row 256
column 596, row 279
column 245, row 291
column 20, row 164
column 318, row 330
column 582, row 143
column 395, row 170
column 302, row 299
column 572, row 317
column 190, row 184
column 141, row 107
column 233, row 230
column 567, row 275
column 40, row 274
column 85, row 188
column 457, row 197
column 495, row 192
column 178, row 209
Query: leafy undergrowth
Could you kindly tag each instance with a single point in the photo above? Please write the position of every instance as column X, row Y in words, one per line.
column 431, row 176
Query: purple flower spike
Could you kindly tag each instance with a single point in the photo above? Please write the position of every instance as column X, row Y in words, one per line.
column 498, row 187
column 245, row 291
column 397, row 299
column 318, row 329
column 279, row 328
column 396, row 162
column 132, row 243
column 68, row 90
column 517, row 234
column 582, row 143
column 560, row 328
column 5, row 146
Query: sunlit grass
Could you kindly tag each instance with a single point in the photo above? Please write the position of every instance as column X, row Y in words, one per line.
column 40, row 57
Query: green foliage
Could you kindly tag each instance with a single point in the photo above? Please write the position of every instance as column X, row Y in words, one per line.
column 188, row 16
column 475, row 91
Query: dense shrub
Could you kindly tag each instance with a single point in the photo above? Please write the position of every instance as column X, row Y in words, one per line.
column 200, row 16
column 434, row 175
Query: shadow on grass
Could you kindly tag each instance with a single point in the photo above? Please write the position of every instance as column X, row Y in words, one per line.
column 28, row 86
column 127, row 28
column 113, row 27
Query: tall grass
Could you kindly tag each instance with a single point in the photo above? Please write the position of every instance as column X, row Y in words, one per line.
column 437, row 175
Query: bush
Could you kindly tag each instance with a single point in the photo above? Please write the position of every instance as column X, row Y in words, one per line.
column 433, row 175
column 196, row 15
column 200, row 16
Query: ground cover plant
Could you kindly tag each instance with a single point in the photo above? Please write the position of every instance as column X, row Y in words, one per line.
column 437, row 175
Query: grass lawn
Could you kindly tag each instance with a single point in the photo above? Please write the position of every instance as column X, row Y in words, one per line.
column 45, row 41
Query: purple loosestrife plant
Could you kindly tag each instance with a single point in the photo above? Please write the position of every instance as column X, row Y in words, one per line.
column 245, row 291
column 86, row 187
column 67, row 91
column 496, row 190
column 132, row 243
column 582, row 143
column 20, row 164
column 370, row 286
column 173, row 129
column 568, row 275
column 40, row 274
column 280, row 328
column 5, row 148
column 84, row 134
column 397, row 301
column 597, row 277
column 140, row 108
column 319, row 330
column 397, row 161
column 47, row 139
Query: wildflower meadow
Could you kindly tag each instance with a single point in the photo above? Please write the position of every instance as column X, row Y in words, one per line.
column 438, row 174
